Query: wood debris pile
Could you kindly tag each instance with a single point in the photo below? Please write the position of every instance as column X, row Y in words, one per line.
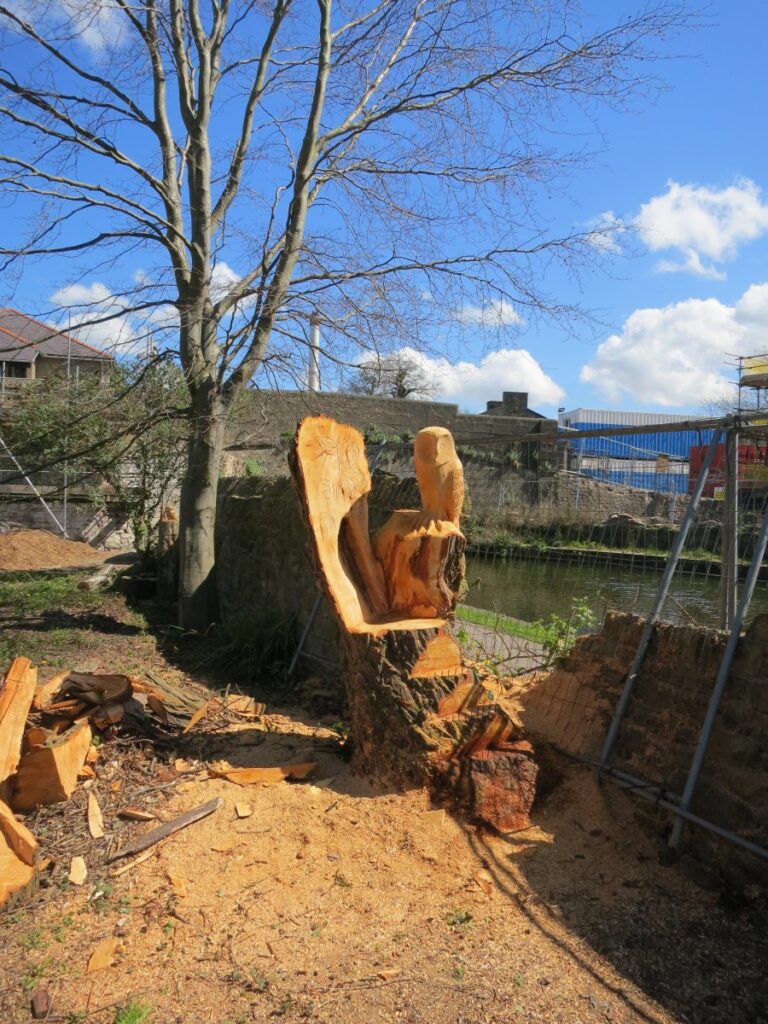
column 50, row 739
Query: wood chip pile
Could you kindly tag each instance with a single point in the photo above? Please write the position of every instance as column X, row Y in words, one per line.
column 38, row 549
column 48, row 745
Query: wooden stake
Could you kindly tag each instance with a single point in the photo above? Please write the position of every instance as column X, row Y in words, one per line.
column 163, row 831
column 16, row 694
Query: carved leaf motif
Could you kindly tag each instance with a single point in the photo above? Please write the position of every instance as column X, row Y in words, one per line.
column 327, row 445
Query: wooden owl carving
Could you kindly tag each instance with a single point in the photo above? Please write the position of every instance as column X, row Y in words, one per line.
column 439, row 473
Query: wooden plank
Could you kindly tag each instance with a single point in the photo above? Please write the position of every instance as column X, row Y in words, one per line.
column 264, row 776
column 16, row 695
column 48, row 774
column 156, row 835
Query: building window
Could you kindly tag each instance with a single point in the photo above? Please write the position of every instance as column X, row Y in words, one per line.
column 13, row 370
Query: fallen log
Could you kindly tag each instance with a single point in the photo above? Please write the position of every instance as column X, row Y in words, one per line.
column 419, row 714
column 103, row 576
column 156, row 835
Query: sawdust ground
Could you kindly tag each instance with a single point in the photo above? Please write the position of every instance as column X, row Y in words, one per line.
column 38, row 549
column 338, row 901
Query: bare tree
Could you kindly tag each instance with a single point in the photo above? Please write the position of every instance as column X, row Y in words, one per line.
column 185, row 138
column 394, row 375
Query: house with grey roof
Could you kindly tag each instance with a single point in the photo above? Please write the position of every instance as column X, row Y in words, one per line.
column 31, row 350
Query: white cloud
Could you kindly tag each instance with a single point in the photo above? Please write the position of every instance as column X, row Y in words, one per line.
column 496, row 313
column 471, row 385
column 676, row 355
column 605, row 231
column 86, row 303
column 702, row 224
column 95, row 24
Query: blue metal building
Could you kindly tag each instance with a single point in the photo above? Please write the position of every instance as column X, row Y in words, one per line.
column 654, row 462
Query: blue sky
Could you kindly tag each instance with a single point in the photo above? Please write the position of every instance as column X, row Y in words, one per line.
column 705, row 133
column 681, row 282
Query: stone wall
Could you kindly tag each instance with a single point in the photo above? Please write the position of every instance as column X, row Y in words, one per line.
column 265, row 583
column 572, row 706
column 264, row 416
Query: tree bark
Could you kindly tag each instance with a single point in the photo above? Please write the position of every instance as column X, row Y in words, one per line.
column 198, row 599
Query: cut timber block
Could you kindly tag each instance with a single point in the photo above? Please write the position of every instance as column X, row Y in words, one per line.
column 497, row 787
column 16, row 694
column 18, row 851
column 48, row 774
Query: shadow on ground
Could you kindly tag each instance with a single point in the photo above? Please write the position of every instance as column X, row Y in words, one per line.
column 590, row 879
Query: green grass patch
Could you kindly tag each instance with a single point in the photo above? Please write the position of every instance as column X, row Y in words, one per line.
column 24, row 595
column 133, row 1013
column 503, row 624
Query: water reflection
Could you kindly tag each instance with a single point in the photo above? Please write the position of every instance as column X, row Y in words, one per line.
column 533, row 590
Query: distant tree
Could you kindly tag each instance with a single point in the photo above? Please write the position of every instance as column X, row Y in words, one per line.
column 395, row 375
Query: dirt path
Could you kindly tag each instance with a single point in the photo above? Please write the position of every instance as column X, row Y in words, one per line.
column 336, row 901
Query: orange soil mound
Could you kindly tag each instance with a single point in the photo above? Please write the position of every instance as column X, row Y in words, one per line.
column 39, row 549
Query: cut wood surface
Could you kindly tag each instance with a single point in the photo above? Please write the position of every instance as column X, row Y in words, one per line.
column 168, row 829
column 78, row 871
column 441, row 657
column 135, row 814
column 49, row 773
column 17, row 692
column 17, row 835
column 264, row 776
column 104, row 954
column 15, row 874
column 198, row 715
column 97, row 688
column 332, row 468
column 35, row 736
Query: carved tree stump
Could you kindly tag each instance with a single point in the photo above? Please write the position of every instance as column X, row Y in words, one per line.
column 418, row 713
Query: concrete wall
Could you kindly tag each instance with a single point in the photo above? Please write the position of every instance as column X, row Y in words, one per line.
column 573, row 705
column 86, row 522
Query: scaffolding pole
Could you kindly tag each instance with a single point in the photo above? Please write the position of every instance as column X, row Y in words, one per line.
column 729, row 555
column 661, row 596
column 39, row 496
column 722, row 679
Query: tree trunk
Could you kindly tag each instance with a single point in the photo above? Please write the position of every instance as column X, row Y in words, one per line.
column 198, row 599
column 418, row 712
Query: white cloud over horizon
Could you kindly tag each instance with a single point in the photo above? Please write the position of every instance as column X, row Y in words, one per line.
column 470, row 385
column 706, row 226
column 675, row 355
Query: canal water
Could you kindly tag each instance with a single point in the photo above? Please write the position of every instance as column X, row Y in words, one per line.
column 533, row 590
